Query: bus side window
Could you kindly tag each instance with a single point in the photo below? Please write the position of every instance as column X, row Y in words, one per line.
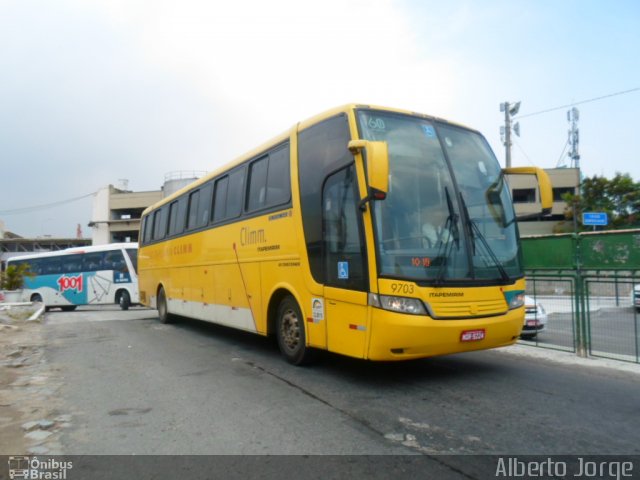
column 71, row 263
column 178, row 213
column 146, row 229
column 235, row 193
column 173, row 217
column 269, row 180
column 256, row 193
column 322, row 149
column 35, row 266
column 192, row 221
column 204, row 205
column 278, row 177
column 220, row 199
column 229, row 193
column 160, row 223
column 93, row 262
column 133, row 256
column 114, row 260
column 51, row 266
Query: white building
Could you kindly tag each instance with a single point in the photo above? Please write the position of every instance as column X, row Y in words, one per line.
column 117, row 211
column 526, row 200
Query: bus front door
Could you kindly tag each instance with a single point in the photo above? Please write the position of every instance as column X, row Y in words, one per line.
column 345, row 270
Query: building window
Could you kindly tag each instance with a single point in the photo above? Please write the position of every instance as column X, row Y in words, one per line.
column 560, row 191
column 524, row 195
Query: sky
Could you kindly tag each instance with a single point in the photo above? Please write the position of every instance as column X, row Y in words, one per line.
column 96, row 91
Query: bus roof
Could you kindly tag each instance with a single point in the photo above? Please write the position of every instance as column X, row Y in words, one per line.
column 347, row 108
column 75, row 250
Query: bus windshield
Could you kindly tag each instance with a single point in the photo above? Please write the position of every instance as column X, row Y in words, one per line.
column 448, row 217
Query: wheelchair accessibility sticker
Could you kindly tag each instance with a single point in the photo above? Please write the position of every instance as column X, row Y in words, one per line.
column 343, row 270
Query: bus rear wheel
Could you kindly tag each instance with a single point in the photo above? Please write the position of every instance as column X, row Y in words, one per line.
column 163, row 310
column 290, row 333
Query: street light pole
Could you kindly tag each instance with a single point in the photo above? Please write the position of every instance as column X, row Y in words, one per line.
column 507, row 136
column 509, row 109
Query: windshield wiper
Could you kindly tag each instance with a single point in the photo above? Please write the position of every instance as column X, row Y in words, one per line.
column 451, row 227
column 475, row 232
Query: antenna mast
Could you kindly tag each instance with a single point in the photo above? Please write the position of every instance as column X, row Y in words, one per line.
column 573, row 116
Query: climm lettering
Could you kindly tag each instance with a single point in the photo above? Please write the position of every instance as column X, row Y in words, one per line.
column 181, row 249
column 251, row 237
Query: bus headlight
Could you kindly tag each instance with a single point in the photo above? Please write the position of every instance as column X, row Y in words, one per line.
column 514, row 298
column 413, row 306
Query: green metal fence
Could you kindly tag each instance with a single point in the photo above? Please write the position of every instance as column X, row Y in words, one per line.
column 584, row 285
column 554, row 296
column 597, row 251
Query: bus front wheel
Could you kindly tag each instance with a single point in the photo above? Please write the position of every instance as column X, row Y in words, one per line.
column 290, row 333
column 163, row 310
column 124, row 300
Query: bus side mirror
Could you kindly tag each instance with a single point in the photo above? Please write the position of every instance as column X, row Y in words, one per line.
column 544, row 184
column 377, row 157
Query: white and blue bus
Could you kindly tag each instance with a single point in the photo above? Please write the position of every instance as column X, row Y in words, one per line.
column 98, row 275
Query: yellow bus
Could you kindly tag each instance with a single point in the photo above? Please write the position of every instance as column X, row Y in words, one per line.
column 371, row 232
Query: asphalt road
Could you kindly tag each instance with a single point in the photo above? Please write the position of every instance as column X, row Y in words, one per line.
column 134, row 386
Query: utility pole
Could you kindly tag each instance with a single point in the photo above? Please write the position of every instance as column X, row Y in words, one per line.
column 573, row 116
column 509, row 109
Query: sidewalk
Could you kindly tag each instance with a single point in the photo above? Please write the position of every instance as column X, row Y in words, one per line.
column 564, row 303
column 569, row 358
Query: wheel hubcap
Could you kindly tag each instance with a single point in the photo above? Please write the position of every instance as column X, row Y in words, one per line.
column 290, row 330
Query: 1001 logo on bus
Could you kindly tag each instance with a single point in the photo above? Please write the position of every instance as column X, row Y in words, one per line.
column 70, row 283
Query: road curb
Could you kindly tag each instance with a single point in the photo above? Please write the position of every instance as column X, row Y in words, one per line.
column 37, row 314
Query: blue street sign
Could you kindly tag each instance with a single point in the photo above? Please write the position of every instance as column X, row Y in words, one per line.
column 595, row 219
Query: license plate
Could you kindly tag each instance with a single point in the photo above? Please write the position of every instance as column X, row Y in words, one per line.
column 532, row 323
column 472, row 335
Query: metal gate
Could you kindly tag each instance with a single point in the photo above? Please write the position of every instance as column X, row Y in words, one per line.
column 583, row 289
column 592, row 314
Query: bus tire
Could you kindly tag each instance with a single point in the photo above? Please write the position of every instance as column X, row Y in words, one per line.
column 36, row 298
column 163, row 309
column 290, row 333
column 124, row 300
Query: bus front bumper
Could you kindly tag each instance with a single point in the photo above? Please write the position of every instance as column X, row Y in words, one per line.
column 396, row 336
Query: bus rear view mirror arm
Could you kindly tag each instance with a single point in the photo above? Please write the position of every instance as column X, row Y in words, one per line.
column 377, row 167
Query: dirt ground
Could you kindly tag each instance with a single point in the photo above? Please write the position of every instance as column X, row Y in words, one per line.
column 30, row 420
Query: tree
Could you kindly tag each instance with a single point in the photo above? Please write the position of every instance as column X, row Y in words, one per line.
column 618, row 197
column 13, row 277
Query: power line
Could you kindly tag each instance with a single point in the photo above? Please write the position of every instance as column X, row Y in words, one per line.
column 517, row 144
column 560, row 159
column 579, row 103
column 35, row 208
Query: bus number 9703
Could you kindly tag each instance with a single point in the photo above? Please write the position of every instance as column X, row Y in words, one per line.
column 404, row 288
